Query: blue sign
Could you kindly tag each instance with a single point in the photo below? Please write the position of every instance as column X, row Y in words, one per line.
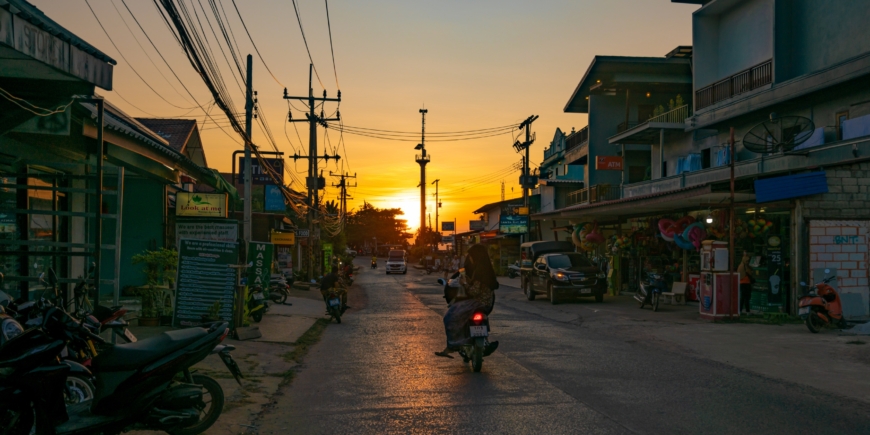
column 274, row 198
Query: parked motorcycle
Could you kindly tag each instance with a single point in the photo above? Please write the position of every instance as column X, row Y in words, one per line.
column 514, row 270
column 333, row 305
column 279, row 289
column 650, row 291
column 821, row 306
column 140, row 386
column 257, row 303
column 476, row 333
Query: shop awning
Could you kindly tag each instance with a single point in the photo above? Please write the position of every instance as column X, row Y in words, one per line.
column 790, row 186
column 696, row 197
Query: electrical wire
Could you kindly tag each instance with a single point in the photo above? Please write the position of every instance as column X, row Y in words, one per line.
column 34, row 109
column 331, row 50
column 255, row 45
column 299, row 20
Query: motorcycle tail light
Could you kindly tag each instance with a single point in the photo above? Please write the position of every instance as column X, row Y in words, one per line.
column 478, row 317
column 226, row 332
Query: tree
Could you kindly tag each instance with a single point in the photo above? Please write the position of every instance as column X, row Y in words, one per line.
column 381, row 223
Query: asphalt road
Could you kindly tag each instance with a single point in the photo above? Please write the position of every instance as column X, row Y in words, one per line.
column 376, row 374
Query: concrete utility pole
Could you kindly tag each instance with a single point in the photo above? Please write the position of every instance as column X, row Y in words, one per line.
column 437, row 205
column 343, row 195
column 526, row 180
column 422, row 160
column 249, row 113
column 313, row 181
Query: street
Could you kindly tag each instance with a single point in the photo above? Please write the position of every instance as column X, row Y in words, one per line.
column 554, row 372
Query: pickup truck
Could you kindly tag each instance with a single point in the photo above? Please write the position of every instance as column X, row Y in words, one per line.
column 560, row 276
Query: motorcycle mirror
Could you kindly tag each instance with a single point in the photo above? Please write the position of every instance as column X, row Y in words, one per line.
column 803, row 284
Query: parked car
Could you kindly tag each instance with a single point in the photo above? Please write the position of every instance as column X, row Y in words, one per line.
column 397, row 262
column 350, row 252
column 565, row 275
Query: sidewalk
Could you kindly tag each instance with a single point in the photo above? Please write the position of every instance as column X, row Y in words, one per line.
column 830, row 361
column 265, row 362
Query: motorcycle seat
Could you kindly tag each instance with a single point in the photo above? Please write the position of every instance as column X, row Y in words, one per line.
column 131, row 356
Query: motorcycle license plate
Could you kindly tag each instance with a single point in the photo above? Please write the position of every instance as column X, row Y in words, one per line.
column 129, row 335
column 804, row 310
column 334, row 302
column 259, row 296
column 478, row 331
column 585, row 290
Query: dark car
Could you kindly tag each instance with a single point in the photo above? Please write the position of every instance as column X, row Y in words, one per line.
column 565, row 275
column 530, row 251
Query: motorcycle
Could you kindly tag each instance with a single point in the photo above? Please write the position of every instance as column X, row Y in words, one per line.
column 144, row 385
column 821, row 306
column 279, row 289
column 374, row 264
column 514, row 270
column 650, row 292
column 333, row 305
column 257, row 304
column 476, row 333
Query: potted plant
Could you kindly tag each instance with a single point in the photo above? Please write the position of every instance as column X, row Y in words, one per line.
column 160, row 268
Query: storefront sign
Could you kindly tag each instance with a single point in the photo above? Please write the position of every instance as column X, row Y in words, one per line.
column 608, row 163
column 205, row 283
column 513, row 224
column 302, row 233
column 327, row 257
column 274, row 198
column 218, row 231
column 201, row 204
column 523, row 211
column 283, row 238
column 448, row 226
column 447, row 239
column 486, row 235
column 259, row 174
column 476, row 225
column 261, row 255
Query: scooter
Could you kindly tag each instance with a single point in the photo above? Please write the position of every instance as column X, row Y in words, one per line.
column 514, row 270
column 821, row 306
column 476, row 333
column 257, row 304
column 650, row 292
column 333, row 305
column 279, row 289
column 144, row 385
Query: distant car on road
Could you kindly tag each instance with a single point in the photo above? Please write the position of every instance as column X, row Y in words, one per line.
column 564, row 275
column 397, row 262
column 350, row 252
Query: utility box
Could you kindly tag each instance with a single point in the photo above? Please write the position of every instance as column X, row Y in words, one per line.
column 718, row 295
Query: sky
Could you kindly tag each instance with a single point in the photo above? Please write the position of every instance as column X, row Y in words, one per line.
column 473, row 64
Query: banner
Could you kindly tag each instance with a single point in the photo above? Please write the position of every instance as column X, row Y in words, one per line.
column 205, row 281
column 261, row 255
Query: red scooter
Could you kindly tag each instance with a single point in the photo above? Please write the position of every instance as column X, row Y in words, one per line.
column 821, row 306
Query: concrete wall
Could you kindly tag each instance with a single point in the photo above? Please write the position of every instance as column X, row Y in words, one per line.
column 605, row 113
column 814, row 34
column 730, row 40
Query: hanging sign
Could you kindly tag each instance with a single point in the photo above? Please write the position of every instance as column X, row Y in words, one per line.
column 259, row 175
column 205, row 281
column 274, row 198
column 476, row 225
column 283, row 238
column 261, row 255
column 513, row 224
column 201, row 204
column 327, row 257
column 608, row 163
column 448, row 226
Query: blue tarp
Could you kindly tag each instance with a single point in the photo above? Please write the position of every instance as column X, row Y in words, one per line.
column 790, row 186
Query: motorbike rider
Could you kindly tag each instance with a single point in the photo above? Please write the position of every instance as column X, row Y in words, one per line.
column 374, row 261
column 329, row 282
column 479, row 282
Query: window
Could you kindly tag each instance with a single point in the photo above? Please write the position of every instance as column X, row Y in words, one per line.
column 841, row 117
column 568, row 261
column 705, row 158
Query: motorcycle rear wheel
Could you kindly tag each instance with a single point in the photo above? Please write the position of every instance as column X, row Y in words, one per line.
column 477, row 356
column 78, row 389
column 281, row 298
column 213, row 401
column 257, row 316
column 814, row 323
column 337, row 314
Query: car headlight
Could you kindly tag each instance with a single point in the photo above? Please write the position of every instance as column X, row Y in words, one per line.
column 11, row 329
column 559, row 276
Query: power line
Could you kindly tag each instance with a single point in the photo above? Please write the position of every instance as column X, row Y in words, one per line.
column 299, row 20
column 255, row 45
column 435, row 133
column 331, row 50
column 416, row 140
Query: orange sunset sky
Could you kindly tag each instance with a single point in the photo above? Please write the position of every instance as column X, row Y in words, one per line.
column 473, row 64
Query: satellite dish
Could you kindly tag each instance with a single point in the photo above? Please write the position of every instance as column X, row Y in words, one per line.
column 780, row 133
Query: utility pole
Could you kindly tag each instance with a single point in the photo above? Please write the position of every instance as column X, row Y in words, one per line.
column 343, row 185
column 422, row 160
column 249, row 113
column 437, row 205
column 526, row 180
column 313, row 181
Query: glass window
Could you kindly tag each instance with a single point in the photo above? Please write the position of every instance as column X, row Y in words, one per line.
column 568, row 261
column 9, row 264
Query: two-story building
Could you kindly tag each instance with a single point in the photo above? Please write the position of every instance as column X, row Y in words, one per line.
column 786, row 80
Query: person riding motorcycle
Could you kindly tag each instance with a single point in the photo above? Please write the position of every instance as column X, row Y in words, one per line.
column 479, row 282
column 327, row 283
column 374, row 261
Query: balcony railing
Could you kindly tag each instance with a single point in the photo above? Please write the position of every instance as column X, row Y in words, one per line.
column 744, row 81
column 676, row 116
column 597, row 193
column 550, row 152
column 577, row 138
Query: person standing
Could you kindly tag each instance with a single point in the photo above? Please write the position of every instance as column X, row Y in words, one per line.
column 744, row 270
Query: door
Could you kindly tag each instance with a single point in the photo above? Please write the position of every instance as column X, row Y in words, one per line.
column 539, row 282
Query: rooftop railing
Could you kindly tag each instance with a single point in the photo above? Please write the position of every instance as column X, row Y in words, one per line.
column 744, row 81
